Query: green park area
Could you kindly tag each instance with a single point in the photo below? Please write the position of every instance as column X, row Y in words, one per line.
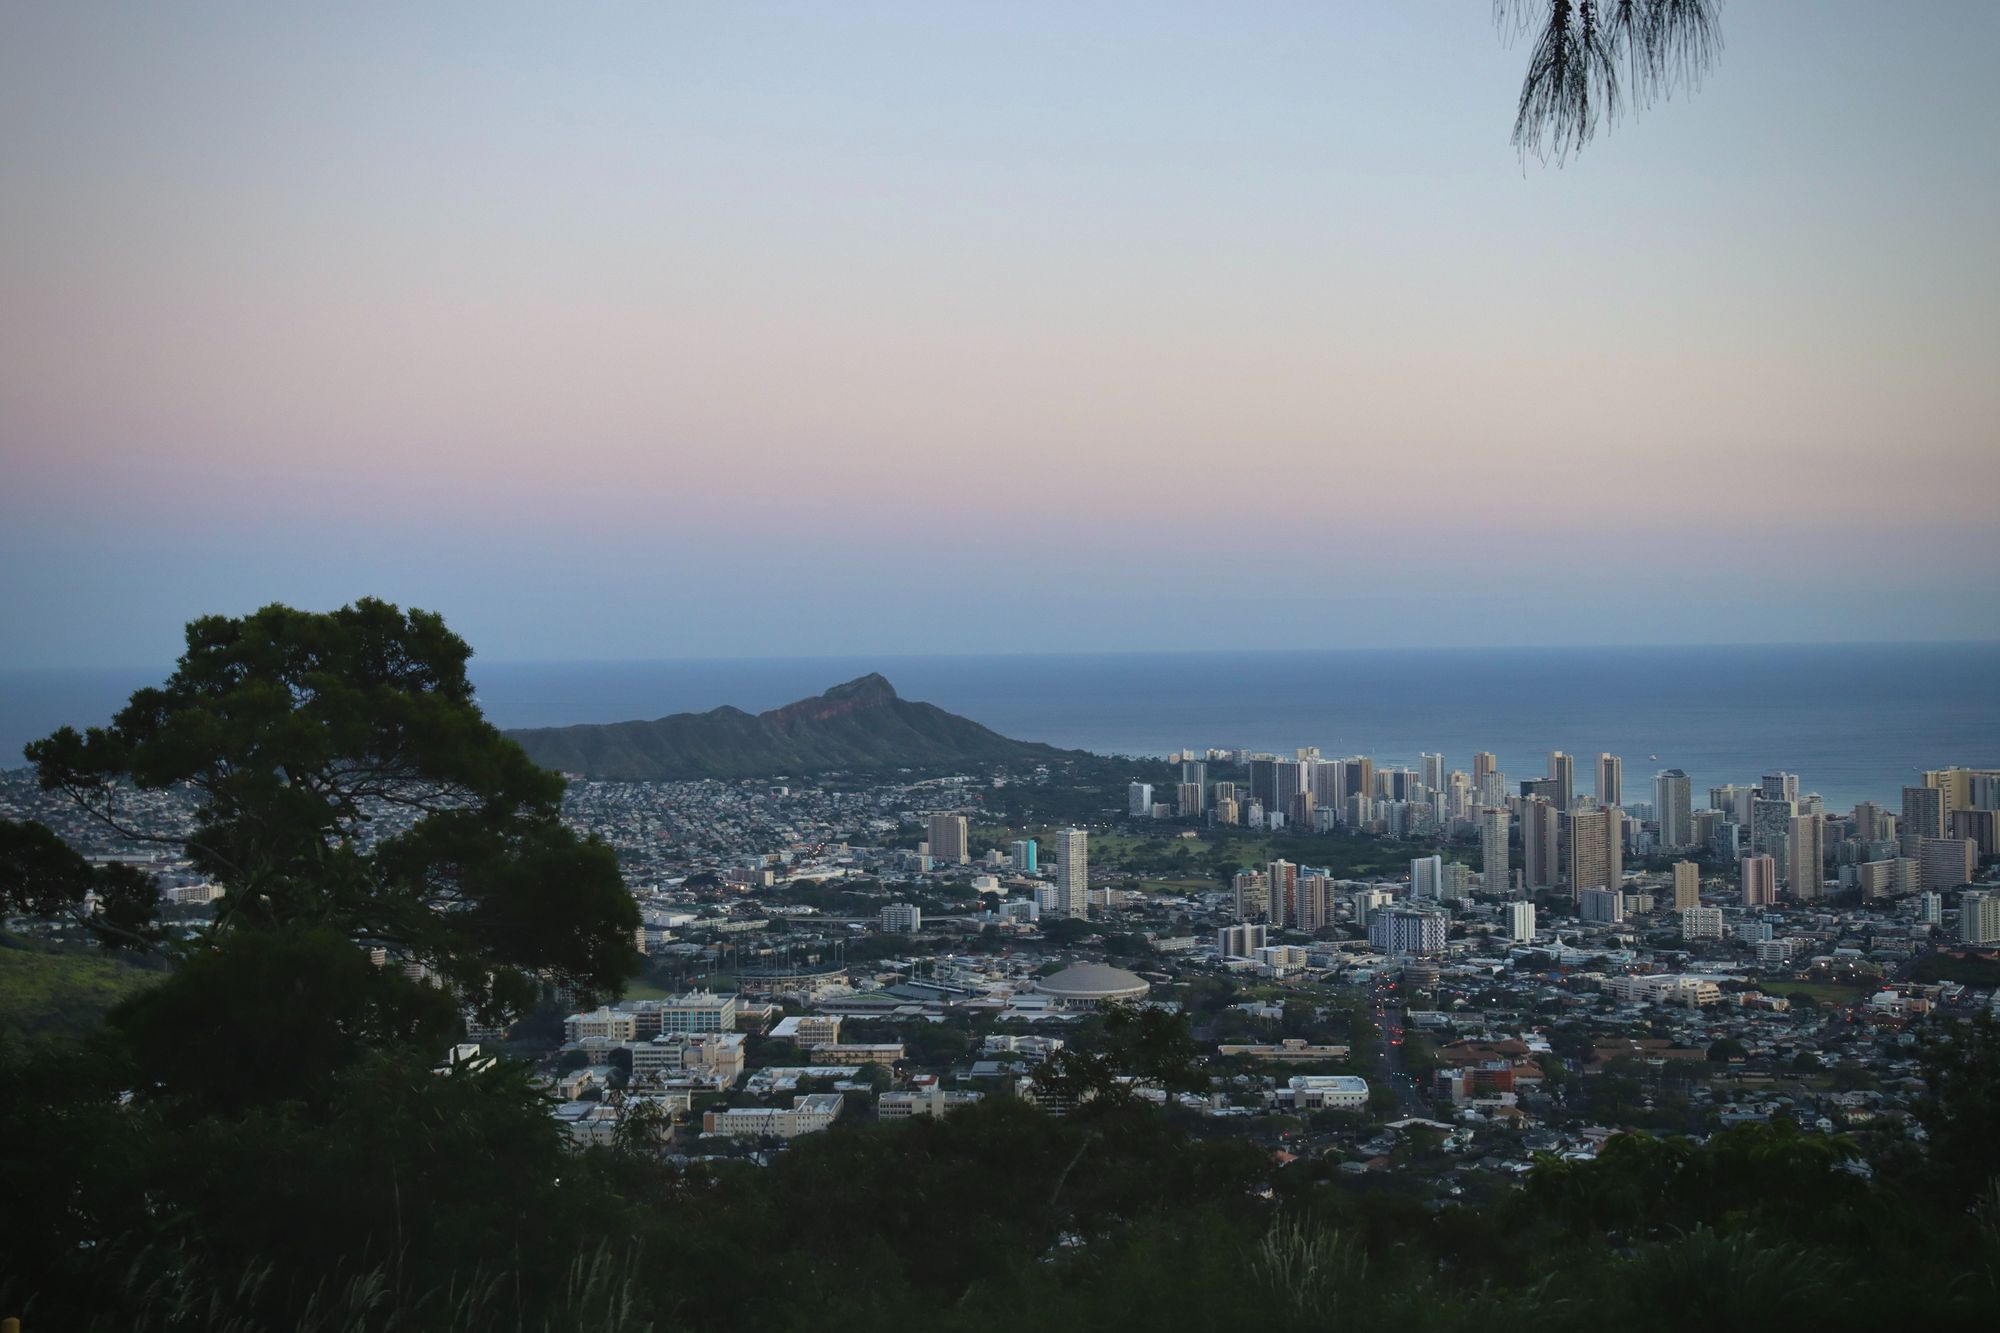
column 1819, row 992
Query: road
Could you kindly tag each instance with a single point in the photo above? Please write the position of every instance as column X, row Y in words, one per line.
column 1388, row 1009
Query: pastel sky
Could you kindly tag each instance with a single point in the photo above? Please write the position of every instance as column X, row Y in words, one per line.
column 663, row 330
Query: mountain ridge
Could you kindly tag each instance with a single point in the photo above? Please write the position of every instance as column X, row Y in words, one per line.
column 861, row 724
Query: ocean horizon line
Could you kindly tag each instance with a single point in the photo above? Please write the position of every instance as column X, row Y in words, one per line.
column 479, row 658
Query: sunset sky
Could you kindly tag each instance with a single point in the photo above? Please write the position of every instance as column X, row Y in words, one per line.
column 726, row 330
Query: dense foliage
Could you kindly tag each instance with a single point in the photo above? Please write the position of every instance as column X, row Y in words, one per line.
column 348, row 784
column 391, row 1196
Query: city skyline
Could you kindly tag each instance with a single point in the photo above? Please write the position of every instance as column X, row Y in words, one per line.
column 879, row 665
column 697, row 334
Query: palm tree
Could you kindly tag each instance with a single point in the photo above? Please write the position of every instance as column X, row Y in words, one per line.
column 1593, row 59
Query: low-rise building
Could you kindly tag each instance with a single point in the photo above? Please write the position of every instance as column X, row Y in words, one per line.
column 928, row 1098
column 1325, row 1092
column 806, row 1115
column 713, row 1059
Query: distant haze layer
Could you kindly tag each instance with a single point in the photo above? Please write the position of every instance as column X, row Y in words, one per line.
column 1845, row 718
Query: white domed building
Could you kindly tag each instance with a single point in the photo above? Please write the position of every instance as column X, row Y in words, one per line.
column 1092, row 986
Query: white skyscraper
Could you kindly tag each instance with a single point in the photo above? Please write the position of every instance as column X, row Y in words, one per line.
column 1520, row 922
column 1979, row 917
column 1139, row 799
column 1073, row 873
column 1427, row 877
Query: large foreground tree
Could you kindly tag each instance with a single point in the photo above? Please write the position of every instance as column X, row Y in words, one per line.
column 347, row 790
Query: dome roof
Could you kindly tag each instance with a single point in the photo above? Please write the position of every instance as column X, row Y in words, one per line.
column 1094, row 981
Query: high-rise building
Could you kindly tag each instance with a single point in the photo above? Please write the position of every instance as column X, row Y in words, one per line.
column 1323, row 778
column 1610, row 780
column 1195, row 771
column 1562, row 772
column 1979, row 917
column 1780, row 787
column 1241, row 941
column 1291, row 779
column 1673, row 794
column 1760, row 880
column 1264, row 781
column 1313, row 904
column 901, row 919
column 1541, row 789
column 1357, row 778
column 1868, row 825
column 1073, row 873
column 1225, row 791
column 1252, row 890
column 1024, row 856
column 1283, row 878
column 948, row 840
column 1520, row 922
column 1701, row 923
column 1458, row 803
column 1923, row 813
column 1484, row 765
column 1687, row 885
column 1770, row 823
column 1601, row 906
column 1406, row 932
column 1138, row 799
column 1187, row 801
column 1596, row 851
column 1366, row 902
column 1433, row 770
column 1541, row 843
column 1805, row 855
column 1493, row 849
column 1427, row 877
column 1894, row 876
column 1946, row 863
column 1982, row 827
column 1963, row 789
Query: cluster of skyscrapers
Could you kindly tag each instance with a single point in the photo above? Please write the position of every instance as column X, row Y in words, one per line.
column 1776, row 837
column 1068, row 894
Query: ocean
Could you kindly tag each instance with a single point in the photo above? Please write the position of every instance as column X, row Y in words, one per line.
column 1855, row 722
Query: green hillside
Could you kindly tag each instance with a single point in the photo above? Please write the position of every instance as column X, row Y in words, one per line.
column 860, row 726
column 58, row 994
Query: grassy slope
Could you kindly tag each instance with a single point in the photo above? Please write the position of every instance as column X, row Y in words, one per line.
column 55, row 994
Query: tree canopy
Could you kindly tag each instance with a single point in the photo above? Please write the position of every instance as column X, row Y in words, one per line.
column 346, row 782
